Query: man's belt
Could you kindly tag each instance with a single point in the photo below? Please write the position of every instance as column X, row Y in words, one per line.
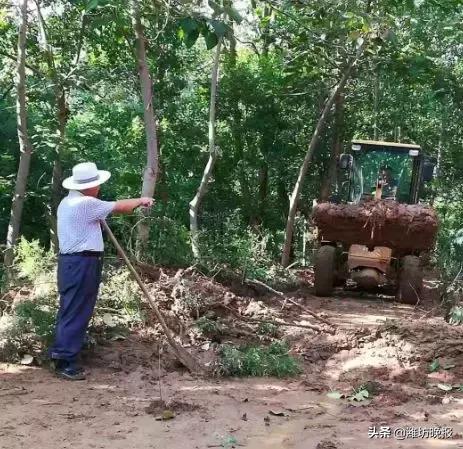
column 85, row 254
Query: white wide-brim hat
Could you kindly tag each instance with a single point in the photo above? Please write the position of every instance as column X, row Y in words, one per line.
column 85, row 176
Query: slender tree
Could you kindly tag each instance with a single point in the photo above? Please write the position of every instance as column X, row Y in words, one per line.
column 61, row 112
column 152, row 156
column 337, row 90
column 25, row 146
column 195, row 203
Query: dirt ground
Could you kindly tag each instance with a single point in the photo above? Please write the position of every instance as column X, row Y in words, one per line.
column 385, row 345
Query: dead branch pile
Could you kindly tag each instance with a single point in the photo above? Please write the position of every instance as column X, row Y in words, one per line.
column 187, row 295
column 378, row 223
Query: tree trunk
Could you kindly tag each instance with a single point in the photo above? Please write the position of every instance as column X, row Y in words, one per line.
column 195, row 203
column 336, row 148
column 305, row 165
column 152, row 158
column 263, row 191
column 57, row 174
column 62, row 114
column 24, row 143
column 376, row 92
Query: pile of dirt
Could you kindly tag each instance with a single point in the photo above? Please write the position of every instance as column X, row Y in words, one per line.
column 427, row 340
column 378, row 223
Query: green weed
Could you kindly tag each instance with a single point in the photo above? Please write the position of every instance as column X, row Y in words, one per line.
column 258, row 361
column 37, row 316
column 28, row 329
column 267, row 329
column 32, row 261
column 208, row 326
column 119, row 299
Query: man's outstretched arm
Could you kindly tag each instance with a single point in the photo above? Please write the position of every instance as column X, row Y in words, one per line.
column 127, row 206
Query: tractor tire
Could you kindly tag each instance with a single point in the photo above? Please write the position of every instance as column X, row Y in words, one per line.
column 325, row 270
column 410, row 280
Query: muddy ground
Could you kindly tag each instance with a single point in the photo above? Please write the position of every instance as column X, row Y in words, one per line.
column 383, row 345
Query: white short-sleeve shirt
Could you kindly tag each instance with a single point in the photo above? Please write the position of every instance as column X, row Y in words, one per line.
column 79, row 226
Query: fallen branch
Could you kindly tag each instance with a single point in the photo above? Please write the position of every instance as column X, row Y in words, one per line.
column 279, row 323
column 181, row 353
column 281, row 295
column 284, row 323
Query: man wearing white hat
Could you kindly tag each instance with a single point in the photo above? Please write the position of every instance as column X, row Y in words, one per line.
column 80, row 260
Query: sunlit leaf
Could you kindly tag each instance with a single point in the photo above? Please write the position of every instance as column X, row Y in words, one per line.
column 335, row 395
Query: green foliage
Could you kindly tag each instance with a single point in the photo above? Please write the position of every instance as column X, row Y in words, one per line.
column 170, row 243
column 32, row 261
column 211, row 29
column 37, row 316
column 456, row 315
column 119, row 299
column 448, row 259
column 271, row 90
column 244, row 250
column 267, row 329
column 28, row 326
column 208, row 327
column 257, row 361
column 28, row 329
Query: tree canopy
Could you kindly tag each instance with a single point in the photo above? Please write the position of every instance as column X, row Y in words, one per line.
column 279, row 61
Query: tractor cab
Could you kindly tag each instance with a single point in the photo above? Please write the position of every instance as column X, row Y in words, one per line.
column 385, row 170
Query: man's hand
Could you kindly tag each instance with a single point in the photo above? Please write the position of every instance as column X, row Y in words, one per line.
column 127, row 206
column 146, row 202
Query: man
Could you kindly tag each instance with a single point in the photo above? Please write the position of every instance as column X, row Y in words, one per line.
column 80, row 261
column 389, row 184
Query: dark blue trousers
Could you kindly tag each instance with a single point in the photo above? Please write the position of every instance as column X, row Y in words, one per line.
column 79, row 278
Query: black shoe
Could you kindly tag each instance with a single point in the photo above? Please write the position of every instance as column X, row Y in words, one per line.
column 69, row 370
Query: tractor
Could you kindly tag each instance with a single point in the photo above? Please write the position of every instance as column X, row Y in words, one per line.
column 374, row 229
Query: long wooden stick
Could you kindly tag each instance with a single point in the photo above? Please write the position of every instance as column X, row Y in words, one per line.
column 182, row 354
column 281, row 295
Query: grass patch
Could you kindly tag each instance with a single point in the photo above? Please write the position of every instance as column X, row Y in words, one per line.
column 258, row 361
column 208, row 327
